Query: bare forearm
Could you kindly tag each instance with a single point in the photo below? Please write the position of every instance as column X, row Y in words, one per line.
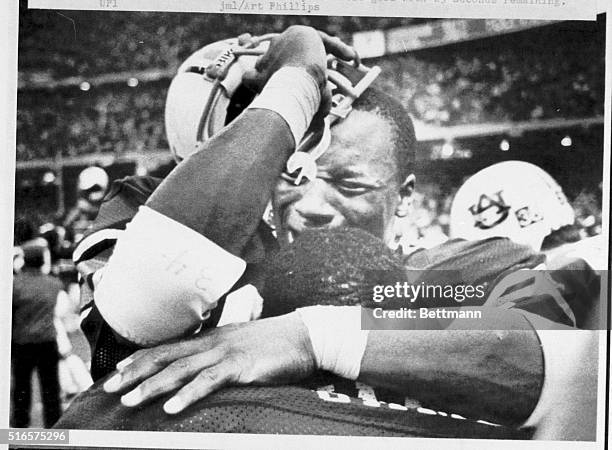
column 482, row 374
column 222, row 190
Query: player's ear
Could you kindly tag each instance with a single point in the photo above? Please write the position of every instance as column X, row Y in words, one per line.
column 405, row 196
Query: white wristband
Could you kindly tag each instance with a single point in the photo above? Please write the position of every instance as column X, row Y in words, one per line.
column 163, row 279
column 294, row 94
column 337, row 338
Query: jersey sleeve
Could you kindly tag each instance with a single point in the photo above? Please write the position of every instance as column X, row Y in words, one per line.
column 564, row 290
column 567, row 294
column 90, row 257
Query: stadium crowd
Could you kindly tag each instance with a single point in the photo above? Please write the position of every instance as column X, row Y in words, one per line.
column 149, row 40
column 462, row 86
column 510, row 78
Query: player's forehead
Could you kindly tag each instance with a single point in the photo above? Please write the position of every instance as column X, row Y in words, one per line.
column 363, row 142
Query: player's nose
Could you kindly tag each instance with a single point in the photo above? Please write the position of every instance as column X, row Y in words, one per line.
column 313, row 206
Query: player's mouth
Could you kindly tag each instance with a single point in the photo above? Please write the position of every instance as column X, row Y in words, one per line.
column 293, row 233
column 294, row 226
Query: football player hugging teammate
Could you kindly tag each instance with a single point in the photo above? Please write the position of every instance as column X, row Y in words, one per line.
column 294, row 120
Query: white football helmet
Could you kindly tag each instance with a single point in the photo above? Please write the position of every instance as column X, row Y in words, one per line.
column 513, row 199
column 207, row 93
column 93, row 182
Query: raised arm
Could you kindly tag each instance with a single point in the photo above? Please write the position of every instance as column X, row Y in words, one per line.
column 184, row 248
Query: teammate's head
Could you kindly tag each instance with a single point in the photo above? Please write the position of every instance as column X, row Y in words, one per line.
column 364, row 178
column 512, row 199
column 337, row 267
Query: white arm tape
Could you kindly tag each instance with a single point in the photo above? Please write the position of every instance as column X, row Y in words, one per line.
column 337, row 338
column 294, row 94
column 567, row 408
column 163, row 279
column 242, row 305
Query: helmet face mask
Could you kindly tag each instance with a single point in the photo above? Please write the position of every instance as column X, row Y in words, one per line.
column 208, row 93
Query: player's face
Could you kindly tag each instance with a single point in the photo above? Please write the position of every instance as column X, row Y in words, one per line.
column 357, row 183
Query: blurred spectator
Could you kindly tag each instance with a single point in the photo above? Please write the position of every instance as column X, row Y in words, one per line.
column 59, row 245
column 34, row 336
column 588, row 212
column 427, row 224
column 92, row 186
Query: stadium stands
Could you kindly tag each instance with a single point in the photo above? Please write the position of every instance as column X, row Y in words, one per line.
column 517, row 77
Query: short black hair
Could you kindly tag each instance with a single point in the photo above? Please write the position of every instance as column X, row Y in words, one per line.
column 337, row 267
column 389, row 108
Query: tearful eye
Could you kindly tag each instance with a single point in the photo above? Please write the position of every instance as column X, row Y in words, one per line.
column 352, row 187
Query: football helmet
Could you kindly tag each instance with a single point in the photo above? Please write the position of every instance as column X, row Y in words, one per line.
column 513, row 199
column 208, row 92
column 93, row 183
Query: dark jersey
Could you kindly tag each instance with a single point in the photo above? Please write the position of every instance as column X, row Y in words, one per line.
column 34, row 300
column 495, row 263
column 278, row 410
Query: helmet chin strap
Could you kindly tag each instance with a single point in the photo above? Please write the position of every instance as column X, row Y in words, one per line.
column 303, row 161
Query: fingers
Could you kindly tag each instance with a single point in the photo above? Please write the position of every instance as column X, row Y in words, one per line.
column 335, row 46
column 146, row 363
column 172, row 377
column 206, row 382
column 245, row 39
column 136, row 368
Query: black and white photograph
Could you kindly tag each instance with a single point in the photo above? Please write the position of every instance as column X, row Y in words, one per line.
column 310, row 225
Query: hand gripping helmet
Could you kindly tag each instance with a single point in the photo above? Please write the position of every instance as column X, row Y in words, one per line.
column 208, row 92
column 513, row 199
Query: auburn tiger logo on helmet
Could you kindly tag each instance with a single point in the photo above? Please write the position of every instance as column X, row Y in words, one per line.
column 513, row 199
column 489, row 211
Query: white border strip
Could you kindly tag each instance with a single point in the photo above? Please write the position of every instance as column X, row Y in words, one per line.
column 8, row 21
column 8, row 131
column 174, row 440
column 606, row 5
column 508, row 9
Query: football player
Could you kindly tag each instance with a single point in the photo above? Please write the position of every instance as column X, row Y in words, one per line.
column 91, row 186
column 198, row 234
